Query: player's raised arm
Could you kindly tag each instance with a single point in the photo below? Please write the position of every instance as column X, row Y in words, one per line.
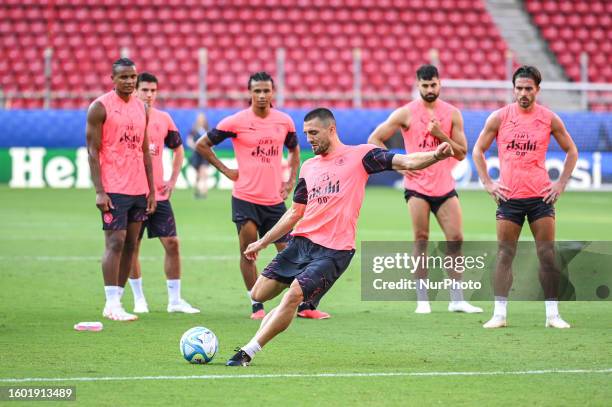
column 487, row 135
column 417, row 161
column 398, row 119
column 204, row 148
column 458, row 141
column 96, row 115
column 566, row 143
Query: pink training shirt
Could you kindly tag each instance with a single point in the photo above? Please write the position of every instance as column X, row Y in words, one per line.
column 522, row 142
column 162, row 132
column 333, row 187
column 258, row 145
column 122, row 169
column 436, row 180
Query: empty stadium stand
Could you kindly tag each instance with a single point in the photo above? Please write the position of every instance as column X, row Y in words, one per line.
column 241, row 36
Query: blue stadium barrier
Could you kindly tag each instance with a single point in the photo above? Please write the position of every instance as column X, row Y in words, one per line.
column 66, row 128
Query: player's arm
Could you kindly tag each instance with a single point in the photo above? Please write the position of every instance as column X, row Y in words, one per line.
column 396, row 120
column 560, row 133
column 418, row 161
column 293, row 159
column 486, row 137
column 173, row 141
column 96, row 115
column 204, row 148
column 458, row 141
column 285, row 224
column 148, row 164
column 378, row 160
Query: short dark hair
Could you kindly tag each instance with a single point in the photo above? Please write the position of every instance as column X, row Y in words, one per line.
column 321, row 113
column 527, row 71
column 427, row 72
column 145, row 77
column 122, row 62
column 261, row 76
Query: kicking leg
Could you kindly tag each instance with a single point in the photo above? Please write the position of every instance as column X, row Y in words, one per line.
column 279, row 320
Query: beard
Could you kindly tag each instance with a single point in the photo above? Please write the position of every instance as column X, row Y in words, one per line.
column 429, row 97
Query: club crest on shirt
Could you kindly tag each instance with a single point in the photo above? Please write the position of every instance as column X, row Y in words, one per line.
column 108, row 217
column 340, row 161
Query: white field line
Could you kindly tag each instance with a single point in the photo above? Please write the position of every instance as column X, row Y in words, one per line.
column 98, row 258
column 305, row 375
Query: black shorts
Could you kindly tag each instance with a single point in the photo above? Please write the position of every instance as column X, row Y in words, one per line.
column 435, row 202
column 196, row 160
column 515, row 210
column 161, row 223
column 263, row 216
column 128, row 209
column 316, row 268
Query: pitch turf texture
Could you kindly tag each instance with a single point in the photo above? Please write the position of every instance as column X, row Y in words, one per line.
column 50, row 277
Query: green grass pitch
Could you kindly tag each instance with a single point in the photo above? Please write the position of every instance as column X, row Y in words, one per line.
column 50, row 277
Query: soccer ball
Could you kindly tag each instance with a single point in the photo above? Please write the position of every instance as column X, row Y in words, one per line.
column 199, row 345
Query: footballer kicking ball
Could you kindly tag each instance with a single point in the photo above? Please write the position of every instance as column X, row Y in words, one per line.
column 199, row 345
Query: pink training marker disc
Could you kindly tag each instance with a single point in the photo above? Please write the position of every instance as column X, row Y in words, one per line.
column 89, row 326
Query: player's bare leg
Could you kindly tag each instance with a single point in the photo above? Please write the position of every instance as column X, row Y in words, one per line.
column 419, row 213
column 172, row 268
column 135, row 280
column 543, row 231
column 508, row 233
column 248, row 268
column 450, row 220
column 264, row 290
column 111, row 265
column 281, row 318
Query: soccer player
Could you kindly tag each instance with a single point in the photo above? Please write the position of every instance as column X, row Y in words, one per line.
column 161, row 131
column 199, row 163
column 522, row 131
column 258, row 199
column 425, row 123
column 326, row 205
column 122, row 174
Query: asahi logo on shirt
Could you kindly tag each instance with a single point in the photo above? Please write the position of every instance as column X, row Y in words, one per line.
column 325, row 184
column 266, row 150
column 429, row 142
column 521, row 144
column 130, row 138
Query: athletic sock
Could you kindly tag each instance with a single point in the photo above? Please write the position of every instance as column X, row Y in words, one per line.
column 421, row 289
column 500, row 306
column 111, row 292
column 456, row 293
column 253, row 302
column 552, row 307
column 136, row 284
column 251, row 348
column 120, row 292
column 174, row 291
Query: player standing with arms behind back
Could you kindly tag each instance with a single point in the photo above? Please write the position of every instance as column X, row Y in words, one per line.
column 122, row 174
column 258, row 135
column 522, row 131
column 425, row 123
column 161, row 131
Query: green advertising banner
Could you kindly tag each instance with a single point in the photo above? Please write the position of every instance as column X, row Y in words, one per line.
column 38, row 167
